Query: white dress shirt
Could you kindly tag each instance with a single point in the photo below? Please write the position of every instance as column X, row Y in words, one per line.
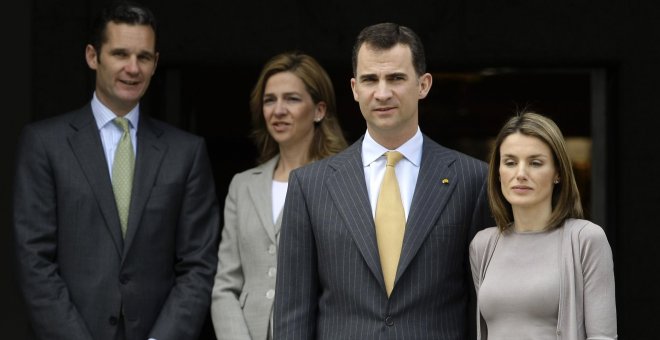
column 407, row 170
column 109, row 132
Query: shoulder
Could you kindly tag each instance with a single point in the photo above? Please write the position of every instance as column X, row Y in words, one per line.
column 584, row 232
column 57, row 123
column 583, row 228
column 346, row 158
column 457, row 158
column 169, row 132
column 264, row 169
column 483, row 237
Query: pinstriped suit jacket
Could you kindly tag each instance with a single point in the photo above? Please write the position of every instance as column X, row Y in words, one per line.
column 330, row 283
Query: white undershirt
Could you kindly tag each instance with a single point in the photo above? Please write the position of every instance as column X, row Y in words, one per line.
column 406, row 170
column 279, row 194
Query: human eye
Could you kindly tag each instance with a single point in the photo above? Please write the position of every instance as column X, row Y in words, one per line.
column 367, row 80
column 397, row 77
column 536, row 163
column 508, row 162
column 119, row 53
column 145, row 57
column 268, row 100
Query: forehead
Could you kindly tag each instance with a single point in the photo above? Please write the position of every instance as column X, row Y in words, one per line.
column 120, row 35
column 396, row 59
column 284, row 82
column 522, row 145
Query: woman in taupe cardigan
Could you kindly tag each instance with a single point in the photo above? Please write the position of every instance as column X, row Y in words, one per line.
column 543, row 272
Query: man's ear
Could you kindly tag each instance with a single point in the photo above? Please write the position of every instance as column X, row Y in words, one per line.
column 155, row 63
column 91, row 56
column 425, row 82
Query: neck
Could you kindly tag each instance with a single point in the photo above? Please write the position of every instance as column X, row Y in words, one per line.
column 391, row 140
column 290, row 159
column 531, row 219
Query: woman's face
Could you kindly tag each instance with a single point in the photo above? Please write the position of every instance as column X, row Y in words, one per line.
column 527, row 172
column 289, row 110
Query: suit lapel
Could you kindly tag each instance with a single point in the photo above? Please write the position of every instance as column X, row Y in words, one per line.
column 150, row 152
column 348, row 190
column 86, row 145
column 260, row 193
column 430, row 198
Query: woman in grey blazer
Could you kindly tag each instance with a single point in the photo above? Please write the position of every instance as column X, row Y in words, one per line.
column 294, row 122
column 543, row 272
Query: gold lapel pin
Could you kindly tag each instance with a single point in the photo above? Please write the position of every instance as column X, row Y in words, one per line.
column 445, row 181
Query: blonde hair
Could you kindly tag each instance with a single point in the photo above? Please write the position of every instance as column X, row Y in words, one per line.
column 328, row 138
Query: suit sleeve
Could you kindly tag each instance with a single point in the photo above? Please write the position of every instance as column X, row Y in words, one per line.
column 598, row 271
column 51, row 312
column 296, row 298
column 481, row 219
column 187, row 305
column 226, row 311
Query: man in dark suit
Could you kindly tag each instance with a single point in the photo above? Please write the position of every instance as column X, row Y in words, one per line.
column 92, row 263
column 334, row 279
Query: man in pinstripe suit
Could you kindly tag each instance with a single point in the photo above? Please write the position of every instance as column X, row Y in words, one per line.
column 330, row 282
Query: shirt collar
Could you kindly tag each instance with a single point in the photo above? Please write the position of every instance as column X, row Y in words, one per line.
column 103, row 115
column 411, row 149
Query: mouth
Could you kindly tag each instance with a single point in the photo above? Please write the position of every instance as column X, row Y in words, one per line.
column 384, row 109
column 280, row 126
column 521, row 188
column 129, row 82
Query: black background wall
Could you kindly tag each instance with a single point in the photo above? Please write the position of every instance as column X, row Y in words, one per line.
column 211, row 52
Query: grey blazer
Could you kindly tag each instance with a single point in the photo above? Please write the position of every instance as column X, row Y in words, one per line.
column 78, row 275
column 330, row 284
column 245, row 280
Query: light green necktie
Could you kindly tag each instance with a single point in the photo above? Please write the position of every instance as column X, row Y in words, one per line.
column 122, row 173
column 390, row 221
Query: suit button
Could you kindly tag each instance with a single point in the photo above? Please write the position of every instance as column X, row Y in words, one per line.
column 270, row 294
column 113, row 321
column 272, row 249
column 124, row 279
column 272, row 272
column 389, row 321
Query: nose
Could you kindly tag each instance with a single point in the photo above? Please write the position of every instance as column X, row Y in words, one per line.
column 280, row 108
column 521, row 172
column 131, row 66
column 383, row 92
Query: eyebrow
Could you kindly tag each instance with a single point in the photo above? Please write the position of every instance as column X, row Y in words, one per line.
column 388, row 76
column 530, row 156
column 294, row 93
column 125, row 50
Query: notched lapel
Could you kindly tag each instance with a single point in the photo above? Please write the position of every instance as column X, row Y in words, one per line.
column 86, row 145
column 435, row 183
column 260, row 193
column 150, row 153
column 348, row 190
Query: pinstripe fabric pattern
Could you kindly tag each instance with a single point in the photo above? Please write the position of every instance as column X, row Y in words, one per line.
column 330, row 284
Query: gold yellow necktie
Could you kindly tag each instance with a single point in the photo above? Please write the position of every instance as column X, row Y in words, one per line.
column 390, row 221
column 122, row 173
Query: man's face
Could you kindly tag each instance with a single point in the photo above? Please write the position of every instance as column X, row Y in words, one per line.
column 124, row 65
column 388, row 90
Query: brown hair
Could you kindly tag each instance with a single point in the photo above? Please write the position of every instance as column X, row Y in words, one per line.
column 565, row 195
column 328, row 138
column 385, row 36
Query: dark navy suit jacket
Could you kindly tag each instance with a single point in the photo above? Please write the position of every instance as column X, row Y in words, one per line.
column 329, row 281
